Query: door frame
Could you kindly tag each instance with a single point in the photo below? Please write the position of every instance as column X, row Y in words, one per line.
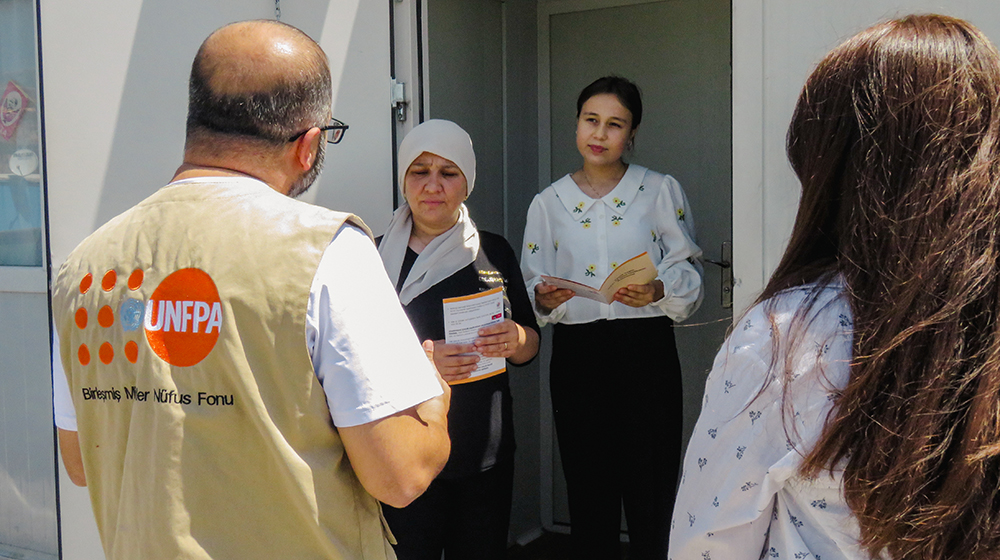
column 747, row 86
column 547, row 447
column 747, row 38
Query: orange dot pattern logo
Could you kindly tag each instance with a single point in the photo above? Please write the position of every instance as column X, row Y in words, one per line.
column 109, row 281
column 106, row 353
column 181, row 320
column 135, row 279
column 81, row 318
column 106, row 317
column 85, row 283
column 132, row 351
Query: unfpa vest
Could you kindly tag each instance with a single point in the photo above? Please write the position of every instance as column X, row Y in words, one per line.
column 203, row 429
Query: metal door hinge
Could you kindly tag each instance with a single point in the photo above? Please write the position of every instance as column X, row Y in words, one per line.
column 726, row 266
column 398, row 99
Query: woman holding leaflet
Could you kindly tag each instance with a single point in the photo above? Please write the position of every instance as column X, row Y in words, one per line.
column 615, row 375
column 433, row 251
column 852, row 413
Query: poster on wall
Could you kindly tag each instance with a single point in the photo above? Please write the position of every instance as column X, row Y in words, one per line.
column 12, row 106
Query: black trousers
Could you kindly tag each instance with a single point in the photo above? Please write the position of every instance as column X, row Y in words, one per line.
column 616, row 398
column 467, row 518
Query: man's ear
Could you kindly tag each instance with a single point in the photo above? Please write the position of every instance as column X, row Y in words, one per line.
column 306, row 147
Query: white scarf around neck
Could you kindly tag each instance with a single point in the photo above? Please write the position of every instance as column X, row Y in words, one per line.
column 445, row 255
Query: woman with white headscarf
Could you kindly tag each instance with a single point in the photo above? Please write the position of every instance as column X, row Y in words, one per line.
column 433, row 251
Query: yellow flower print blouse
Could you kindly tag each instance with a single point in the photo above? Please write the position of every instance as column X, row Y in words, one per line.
column 573, row 236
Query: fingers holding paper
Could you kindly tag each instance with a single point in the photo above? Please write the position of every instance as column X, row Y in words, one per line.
column 640, row 295
column 428, row 346
column 454, row 361
column 549, row 296
column 507, row 340
column 499, row 340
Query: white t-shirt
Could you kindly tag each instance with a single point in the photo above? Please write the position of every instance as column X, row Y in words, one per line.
column 571, row 235
column 363, row 349
column 741, row 494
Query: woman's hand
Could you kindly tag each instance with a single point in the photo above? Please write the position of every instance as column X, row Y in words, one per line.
column 451, row 364
column 507, row 340
column 640, row 295
column 428, row 346
column 549, row 297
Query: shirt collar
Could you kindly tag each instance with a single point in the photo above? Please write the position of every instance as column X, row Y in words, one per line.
column 618, row 200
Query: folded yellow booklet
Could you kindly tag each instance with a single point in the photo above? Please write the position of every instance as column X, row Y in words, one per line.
column 637, row 270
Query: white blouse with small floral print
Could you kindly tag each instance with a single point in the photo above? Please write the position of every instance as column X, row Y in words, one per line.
column 741, row 497
column 571, row 235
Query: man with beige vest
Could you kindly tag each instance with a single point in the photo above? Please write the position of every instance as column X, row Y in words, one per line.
column 240, row 380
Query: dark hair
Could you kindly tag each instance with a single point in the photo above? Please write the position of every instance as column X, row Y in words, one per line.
column 299, row 100
column 626, row 92
column 896, row 142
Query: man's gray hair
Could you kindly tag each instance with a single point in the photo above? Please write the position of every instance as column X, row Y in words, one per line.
column 299, row 100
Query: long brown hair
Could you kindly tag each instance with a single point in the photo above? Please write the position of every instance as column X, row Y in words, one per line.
column 896, row 142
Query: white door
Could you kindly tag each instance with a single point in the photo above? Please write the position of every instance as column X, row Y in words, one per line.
column 115, row 78
column 678, row 52
column 465, row 84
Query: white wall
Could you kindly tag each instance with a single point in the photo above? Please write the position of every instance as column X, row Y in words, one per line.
column 776, row 44
column 115, row 85
column 116, row 91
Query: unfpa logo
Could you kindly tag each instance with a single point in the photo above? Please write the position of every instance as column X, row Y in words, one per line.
column 181, row 320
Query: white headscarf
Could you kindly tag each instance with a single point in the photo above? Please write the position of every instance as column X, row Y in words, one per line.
column 454, row 249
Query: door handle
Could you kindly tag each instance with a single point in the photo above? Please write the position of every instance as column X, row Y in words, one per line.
column 726, row 266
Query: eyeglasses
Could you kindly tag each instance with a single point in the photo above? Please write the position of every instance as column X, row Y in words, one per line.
column 338, row 129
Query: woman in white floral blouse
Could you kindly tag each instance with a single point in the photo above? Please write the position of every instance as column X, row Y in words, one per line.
column 615, row 376
column 853, row 412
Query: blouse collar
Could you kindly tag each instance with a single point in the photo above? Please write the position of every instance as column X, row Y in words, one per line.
column 577, row 203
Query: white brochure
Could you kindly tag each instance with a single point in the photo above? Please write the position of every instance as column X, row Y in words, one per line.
column 464, row 316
